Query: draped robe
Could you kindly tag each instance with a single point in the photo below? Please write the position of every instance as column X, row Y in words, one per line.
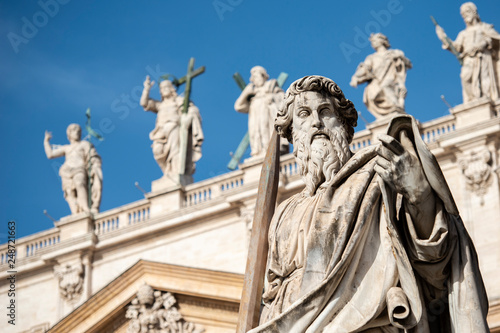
column 167, row 134
column 480, row 72
column 349, row 259
column 262, row 109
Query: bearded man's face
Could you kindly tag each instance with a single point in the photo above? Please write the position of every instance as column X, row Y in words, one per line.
column 319, row 139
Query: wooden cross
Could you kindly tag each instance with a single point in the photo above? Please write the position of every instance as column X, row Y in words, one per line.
column 191, row 74
column 245, row 142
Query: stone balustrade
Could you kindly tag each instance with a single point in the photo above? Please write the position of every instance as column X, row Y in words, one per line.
column 431, row 130
column 30, row 246
column 212, row 188
column 361, row 140
column 122, row 217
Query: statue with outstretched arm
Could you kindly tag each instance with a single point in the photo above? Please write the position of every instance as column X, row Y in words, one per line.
column 81, row 172
column 477, row 48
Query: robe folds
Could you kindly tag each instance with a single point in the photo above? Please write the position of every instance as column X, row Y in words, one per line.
column 170, row 124
column 348, row 259
column 262, row 109
column 480, row 72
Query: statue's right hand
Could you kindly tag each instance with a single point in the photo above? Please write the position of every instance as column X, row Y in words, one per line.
column 441, row 34
column 148, row 83
column 48, row 135
column 248, row 90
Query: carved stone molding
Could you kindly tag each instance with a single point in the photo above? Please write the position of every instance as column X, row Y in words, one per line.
column 70, row 278
column 155, row 312
column 476, row 166
column 246, row 215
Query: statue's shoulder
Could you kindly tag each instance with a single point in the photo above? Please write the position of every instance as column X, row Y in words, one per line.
column 85, row 144
column 396, row 53
column 271, row 85
column 489, row 30
column 179, row 100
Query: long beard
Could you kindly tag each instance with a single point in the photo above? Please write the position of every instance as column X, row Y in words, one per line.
column 320, row 159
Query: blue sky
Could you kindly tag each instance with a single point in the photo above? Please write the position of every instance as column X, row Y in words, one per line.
column 96, row 54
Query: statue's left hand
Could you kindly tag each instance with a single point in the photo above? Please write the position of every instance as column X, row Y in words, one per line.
column 354, row 82
column 398, row 165
column 185, row 119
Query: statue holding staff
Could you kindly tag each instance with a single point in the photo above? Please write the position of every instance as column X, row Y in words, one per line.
column 374, row 242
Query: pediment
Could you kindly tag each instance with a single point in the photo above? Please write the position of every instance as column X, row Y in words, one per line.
column 209, row 299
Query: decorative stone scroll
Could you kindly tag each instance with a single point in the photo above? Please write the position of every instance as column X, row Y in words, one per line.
column 70, row 281
column 153, row 311
column 477, row 170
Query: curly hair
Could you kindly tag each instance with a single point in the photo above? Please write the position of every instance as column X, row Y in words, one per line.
column 346, row 112
column 469, row 7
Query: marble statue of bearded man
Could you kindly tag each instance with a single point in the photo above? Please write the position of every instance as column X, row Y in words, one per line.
column 374, row 242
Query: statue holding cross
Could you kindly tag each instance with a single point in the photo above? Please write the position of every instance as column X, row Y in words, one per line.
column 177, row 136
column 260, row 99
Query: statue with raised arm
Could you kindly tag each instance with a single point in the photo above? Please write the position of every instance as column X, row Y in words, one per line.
column 260, row 99
column 374, row 242
column 385, row 72
column 81, row 172
column 478, row 47
column 166, row 135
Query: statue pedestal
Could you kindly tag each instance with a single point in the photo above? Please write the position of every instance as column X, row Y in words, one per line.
column 379, row 126
column 474, row 112
column 75, row 225
column 170, row 182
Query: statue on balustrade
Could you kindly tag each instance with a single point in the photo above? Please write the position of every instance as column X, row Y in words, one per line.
column 81, row 172
column 374, row 242
column 477, row 47
column 385, row 72
column 170, row 123
column 260, row 99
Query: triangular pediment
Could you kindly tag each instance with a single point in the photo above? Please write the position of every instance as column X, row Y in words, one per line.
column 209, row 299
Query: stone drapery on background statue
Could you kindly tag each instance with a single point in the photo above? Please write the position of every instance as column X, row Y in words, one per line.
column 385, row 72
column 166, row 136
column 155, row 312
column 374, row 242
column 82, row 165
column 478, row 47
column 260, row 99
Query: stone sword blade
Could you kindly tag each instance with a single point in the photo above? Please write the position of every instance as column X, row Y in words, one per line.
column 257, row 252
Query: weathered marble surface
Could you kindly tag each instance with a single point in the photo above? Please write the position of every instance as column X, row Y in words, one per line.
column 170, row 123
column 260, row 99
column 152, row 311
column 82, row 164
column 374, row 241
column 385, row 72
column 70, row 279
column 478, row 47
